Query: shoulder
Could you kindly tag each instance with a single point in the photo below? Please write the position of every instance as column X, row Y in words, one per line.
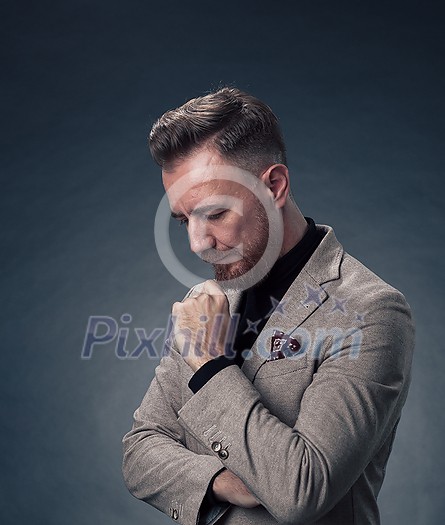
column 333, row 267
column 362, row 282
column 382, row 308
column 355, row 290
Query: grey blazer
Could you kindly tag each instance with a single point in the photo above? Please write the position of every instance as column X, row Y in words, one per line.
column 310, row 434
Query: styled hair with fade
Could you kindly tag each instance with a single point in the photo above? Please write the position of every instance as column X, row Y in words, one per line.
column 240, row 127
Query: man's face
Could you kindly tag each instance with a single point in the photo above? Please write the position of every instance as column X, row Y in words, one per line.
column 227, row 225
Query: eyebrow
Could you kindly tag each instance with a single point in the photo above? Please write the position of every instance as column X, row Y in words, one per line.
column 198, row 211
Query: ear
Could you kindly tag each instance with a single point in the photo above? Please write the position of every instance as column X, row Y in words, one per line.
column 276, row 178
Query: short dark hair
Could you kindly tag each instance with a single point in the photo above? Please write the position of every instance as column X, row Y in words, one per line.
column 242, row 128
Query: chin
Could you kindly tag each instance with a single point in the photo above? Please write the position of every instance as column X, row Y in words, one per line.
column 236, row 276
column 225, row 272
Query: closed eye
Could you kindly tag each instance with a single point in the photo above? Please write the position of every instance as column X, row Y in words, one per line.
column 215, row 216
column 212, row 217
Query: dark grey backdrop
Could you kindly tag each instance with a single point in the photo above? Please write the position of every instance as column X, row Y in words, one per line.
column 359, row 88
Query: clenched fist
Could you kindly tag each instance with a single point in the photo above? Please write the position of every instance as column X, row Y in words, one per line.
column 201, row 325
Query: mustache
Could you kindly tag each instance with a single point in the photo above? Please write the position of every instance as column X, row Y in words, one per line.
column 213, row 256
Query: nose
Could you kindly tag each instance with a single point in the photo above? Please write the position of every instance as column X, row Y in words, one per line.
column 200, row 237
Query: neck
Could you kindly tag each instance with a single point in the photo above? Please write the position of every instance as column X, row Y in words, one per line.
column 295, row 226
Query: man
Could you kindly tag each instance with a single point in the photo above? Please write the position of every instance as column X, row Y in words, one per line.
column 280, row 394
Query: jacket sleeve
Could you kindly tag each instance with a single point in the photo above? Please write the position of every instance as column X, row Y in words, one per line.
column 157, row 466
column 353, row 403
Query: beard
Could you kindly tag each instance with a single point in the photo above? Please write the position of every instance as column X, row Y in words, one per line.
column 253, row 251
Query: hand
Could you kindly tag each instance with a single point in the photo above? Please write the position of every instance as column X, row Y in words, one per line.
column 228, row 487
column 201, row 325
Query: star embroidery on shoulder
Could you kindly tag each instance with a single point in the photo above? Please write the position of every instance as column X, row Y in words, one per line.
column 339, row 304
column 313, row 296
column 277, row 306
column 252, row 326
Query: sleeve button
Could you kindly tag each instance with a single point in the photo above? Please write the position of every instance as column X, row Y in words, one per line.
column 223, row 454
column 216, row 446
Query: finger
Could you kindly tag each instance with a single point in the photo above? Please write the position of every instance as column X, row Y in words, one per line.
column 177, row 307
column 195, row 291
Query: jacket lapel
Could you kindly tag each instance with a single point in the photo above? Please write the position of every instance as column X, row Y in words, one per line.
column 304, row 296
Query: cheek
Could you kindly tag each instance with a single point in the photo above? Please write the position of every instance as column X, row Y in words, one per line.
column 231, row 232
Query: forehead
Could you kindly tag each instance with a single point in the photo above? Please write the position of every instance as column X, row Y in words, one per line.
column 204, row 175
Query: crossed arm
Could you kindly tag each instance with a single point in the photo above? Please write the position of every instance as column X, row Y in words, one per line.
column 345, row 415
